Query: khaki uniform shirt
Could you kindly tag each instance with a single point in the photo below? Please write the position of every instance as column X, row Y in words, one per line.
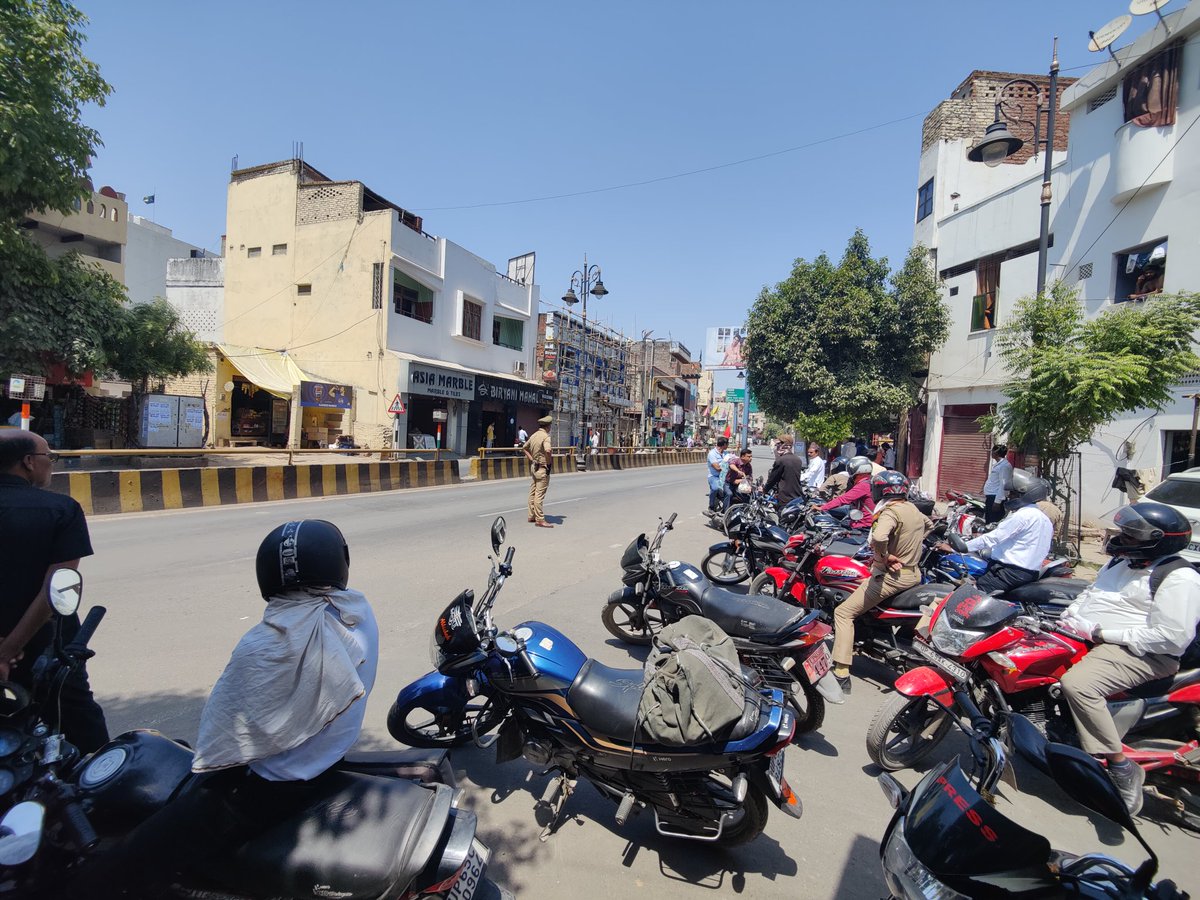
column 899, row 529
column 538, row 446
column 1053, row 513
column 836, row 484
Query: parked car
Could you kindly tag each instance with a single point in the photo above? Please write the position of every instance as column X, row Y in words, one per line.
column 1182, row 491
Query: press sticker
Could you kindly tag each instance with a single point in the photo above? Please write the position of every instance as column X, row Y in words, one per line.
column 691, row 573
column 546, row 643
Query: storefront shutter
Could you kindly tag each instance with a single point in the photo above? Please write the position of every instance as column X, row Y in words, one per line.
column 963, row 465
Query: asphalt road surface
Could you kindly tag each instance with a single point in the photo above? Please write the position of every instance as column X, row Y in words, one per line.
column 180, row 591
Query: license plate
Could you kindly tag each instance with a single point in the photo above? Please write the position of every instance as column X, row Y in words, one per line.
column 1194, row 546
column 953, row 668
column 472, row 873
column 817, row 663
column 775, row 773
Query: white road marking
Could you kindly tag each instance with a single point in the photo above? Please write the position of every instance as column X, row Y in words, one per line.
column 526, row 508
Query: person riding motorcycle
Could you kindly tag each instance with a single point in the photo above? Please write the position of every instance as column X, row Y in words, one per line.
column 897, row 540
column 838, row 478
column 1138, row 634
column 857, row 496
column 1019, row 544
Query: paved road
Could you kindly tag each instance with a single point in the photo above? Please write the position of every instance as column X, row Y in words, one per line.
column 180, row 591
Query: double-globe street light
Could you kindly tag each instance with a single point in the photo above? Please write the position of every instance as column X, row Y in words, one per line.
column 588, row 281
column 999, row 143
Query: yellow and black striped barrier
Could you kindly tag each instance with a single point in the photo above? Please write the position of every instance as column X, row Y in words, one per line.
column 140, row 490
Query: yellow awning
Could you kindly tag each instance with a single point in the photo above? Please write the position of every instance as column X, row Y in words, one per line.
column 271, row 370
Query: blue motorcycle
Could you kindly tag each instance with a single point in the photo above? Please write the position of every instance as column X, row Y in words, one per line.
column 579, row 719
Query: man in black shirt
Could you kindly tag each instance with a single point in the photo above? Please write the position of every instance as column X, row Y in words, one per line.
column 787, row 472
column 40, row 531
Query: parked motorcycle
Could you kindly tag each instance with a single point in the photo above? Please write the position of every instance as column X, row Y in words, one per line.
column 1007, row 658
column 64, row 813
column 784, row 645
column 579, row 718
column 948, row 840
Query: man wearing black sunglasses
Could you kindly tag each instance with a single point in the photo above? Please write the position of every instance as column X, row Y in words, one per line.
column 40, row 531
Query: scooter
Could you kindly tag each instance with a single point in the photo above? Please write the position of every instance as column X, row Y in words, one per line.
column 64, row 813
column 578, row 718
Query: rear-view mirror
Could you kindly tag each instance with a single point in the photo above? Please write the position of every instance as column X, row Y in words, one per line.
column 855, row 515
column 66, row 591
column 21, row 833
column 498, row 534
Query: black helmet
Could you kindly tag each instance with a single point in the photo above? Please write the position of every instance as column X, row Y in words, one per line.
column 838, row 464
column 311, row 552
column 1148, row 530
column 858, row 465
column 889, row 483
column 1026, row 490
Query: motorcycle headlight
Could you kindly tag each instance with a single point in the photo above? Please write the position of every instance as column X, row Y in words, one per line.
column 950, row 640
column 905, row 875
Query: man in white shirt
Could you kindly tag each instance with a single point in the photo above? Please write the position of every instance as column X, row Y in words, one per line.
column 522, row 436
column 715, row 467
column 1020, row 543
column 1138, row 632
column 998, row 482
column 814, row 474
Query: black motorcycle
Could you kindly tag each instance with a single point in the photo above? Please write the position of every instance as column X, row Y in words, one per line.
column 63, row 813
column 755, row 541
column 783, row 643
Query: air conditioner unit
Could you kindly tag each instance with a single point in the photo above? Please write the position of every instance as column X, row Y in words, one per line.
column 519, row 369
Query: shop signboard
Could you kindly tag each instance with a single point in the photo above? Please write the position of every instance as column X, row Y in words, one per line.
column 431, row 381
column 279, row 416
column 322, row 394
column 508, row 391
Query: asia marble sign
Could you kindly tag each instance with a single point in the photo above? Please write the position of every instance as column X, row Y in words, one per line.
column 435, row 382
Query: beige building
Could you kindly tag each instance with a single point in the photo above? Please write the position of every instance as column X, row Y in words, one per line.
column 330, row 280
column 97, row 230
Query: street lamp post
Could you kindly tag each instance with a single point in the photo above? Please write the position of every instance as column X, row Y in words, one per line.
column 646, row 382
column 998, row 144
column 745, row 411
column 588, row 281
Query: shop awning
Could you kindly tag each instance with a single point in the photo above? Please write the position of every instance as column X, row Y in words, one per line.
column 271, row 370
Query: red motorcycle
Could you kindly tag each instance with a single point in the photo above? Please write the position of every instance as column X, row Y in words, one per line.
column 1006, row 661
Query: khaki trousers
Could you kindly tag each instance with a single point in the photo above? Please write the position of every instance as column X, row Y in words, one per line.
column 537, row 492
column 869, row 594
column 1107, row 670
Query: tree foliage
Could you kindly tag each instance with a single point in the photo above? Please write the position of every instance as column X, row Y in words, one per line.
column 826, row 429
column 44, row 81
column 843, row 340
column 149, row 343
column 1068, row 375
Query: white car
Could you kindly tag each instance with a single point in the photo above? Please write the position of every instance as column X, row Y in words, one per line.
column 1182, row 491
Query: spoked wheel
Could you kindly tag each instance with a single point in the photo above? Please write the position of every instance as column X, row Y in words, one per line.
column 726, row 567
column 746, row 823
column 905, row 730
column 415, row 725
column 764, row 585
column 809, row 706
column 632, row 623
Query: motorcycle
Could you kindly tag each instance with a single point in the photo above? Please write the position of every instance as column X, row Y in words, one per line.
column 755, row 541
column 965, row 514
column 579, row 718
column 785, row 646
column 1008, row 659
column 948, row 840
column 64, row 813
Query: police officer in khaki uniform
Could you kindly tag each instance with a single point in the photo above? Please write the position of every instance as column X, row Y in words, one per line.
column 897, row 535
column 537, row 451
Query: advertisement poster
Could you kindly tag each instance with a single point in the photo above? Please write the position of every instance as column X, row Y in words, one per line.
column 329, row 396
column 723, row 347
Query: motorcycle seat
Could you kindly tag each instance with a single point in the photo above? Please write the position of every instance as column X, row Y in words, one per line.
column 425, row 766
column 606, row 701
column 366, row 837
column 1160, row 687
column 755, row 616
column 918, row 596
column 1047, row 591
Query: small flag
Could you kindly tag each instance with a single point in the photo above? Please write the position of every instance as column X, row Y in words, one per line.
column 148, row 199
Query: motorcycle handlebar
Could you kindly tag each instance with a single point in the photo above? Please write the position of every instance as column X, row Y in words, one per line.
column 86, row 630
column 979, row 722
column 671, row 521
column 79, row 828
column 508, row 557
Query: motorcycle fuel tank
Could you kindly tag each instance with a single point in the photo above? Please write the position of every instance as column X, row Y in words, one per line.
column 556, row 659
column 1038, row 659
column 833, row 571
column 130, row 778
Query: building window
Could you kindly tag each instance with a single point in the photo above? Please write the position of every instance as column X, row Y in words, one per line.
column 114, row 213
column 472, row 319
column 303, row 290
column 508, row 333
column 925, row 200
column 252, row 252
column 411, row 298
column 103, row 211
column 983, row 304
column 91, row 207
column 77, row 204
column 1141, row 271
column 377, row 286
column 279, row 249
column 1151, row 90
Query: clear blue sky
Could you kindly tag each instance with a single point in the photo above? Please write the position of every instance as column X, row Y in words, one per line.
column 444, row 104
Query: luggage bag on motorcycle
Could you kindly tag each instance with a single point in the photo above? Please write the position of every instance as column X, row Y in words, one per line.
column 692, row 684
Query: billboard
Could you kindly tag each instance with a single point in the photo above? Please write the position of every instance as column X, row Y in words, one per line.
column 723, row 347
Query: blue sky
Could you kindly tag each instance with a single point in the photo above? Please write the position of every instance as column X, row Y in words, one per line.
column 456, row 109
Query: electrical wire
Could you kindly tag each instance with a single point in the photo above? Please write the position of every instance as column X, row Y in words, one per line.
column 677, row 175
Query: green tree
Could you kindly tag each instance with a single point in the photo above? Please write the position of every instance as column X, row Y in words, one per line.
column 1068, row 375
column 149, row 344
column 44, row 81
column 826, row 429
column 842, row 340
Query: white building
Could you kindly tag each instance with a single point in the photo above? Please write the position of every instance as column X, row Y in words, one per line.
column 195, row 286
column 148, row 247
column 1122, row 193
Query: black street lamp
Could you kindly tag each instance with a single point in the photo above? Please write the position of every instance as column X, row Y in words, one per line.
column 999, row 143
column 588, row 281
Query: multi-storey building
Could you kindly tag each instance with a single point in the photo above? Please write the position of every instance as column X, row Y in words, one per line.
column 149, row 248
column 97, row 230
column 595, row 360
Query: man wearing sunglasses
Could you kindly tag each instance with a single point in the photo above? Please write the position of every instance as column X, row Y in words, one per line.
column 40, row 531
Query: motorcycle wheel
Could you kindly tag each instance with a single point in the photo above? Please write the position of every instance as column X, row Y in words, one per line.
column 749, row 823
column 631, row 624
column 764, row 584
column 904, row 731
column 809, row 707
column 725, row 567
column 416, row 726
